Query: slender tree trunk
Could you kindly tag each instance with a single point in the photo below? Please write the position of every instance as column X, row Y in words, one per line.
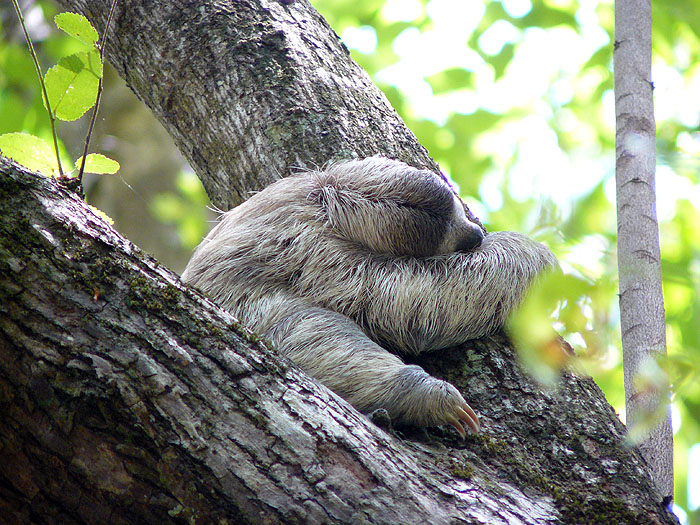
column 127, row 397
column 639, row 260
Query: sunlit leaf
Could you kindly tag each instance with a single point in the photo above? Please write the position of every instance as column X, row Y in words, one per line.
column 72, row 84
column 184, row 209
column 29, row 151
column 102, row 214
column 450, row 80
column 538, row 345
column 167, row 207
column 503, row 59
column 77, row 26
column 189, row 185
column 98, row 164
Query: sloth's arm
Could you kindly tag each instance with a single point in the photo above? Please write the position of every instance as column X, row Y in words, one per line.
column 430, row 303
column 332, row 348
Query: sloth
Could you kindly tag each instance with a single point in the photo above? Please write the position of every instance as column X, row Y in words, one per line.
column 348, row 268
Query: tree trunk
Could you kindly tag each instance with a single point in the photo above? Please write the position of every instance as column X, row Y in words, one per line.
column 126, row 396
column 263, row 86
column 642, row 319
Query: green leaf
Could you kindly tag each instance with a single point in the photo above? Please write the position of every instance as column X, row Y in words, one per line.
column 29, row 151
column 78, row 27
column 98, row 164
column 190, row 187
column 72, row 84
column 168, row 207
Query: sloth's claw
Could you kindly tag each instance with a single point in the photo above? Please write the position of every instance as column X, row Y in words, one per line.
column 453, row 421
column 469, row 417
column 464, row 415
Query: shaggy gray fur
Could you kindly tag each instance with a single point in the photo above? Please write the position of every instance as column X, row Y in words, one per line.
column 334, row 267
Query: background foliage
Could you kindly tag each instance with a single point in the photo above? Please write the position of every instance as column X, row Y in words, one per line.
column 514, row 99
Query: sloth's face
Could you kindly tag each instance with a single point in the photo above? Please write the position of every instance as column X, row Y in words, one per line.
column 467, row 235
column 463, row 235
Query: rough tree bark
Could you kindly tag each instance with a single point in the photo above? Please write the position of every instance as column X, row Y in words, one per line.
column 642, row 318
column 265, row 87
column 126, row 397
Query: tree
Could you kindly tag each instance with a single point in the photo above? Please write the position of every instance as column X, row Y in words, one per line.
column 128, row 396
column 642, row 317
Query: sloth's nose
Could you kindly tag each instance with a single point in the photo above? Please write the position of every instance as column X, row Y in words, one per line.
column 471, row 238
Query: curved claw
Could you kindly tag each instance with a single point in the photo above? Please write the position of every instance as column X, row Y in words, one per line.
column 464, row 416
column 453, row 421
column 469, row 417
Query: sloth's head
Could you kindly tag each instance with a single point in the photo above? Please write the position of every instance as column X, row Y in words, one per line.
column 392, row 208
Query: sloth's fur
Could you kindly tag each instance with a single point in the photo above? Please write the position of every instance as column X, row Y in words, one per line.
column 337, row 267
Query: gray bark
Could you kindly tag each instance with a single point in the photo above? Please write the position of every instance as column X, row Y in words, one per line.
column 126, row 396
column 264, row 86
column 642, row 317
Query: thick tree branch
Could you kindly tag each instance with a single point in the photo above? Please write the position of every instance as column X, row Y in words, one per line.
column 125, row 396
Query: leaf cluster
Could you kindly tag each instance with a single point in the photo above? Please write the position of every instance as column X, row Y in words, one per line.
column 70, row 88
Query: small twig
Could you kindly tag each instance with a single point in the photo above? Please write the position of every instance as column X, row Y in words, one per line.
column 43, row 86
column 101, row 46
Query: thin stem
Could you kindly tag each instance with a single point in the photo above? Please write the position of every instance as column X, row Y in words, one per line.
column 43, row 86
column 102, row 46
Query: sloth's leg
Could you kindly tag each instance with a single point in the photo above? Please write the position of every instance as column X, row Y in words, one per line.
column 333, row 349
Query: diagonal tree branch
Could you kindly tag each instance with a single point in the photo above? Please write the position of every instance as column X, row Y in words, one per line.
column 126, row 394
column 269, row 87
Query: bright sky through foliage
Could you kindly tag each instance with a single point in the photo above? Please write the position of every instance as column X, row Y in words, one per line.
column 544, row 67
